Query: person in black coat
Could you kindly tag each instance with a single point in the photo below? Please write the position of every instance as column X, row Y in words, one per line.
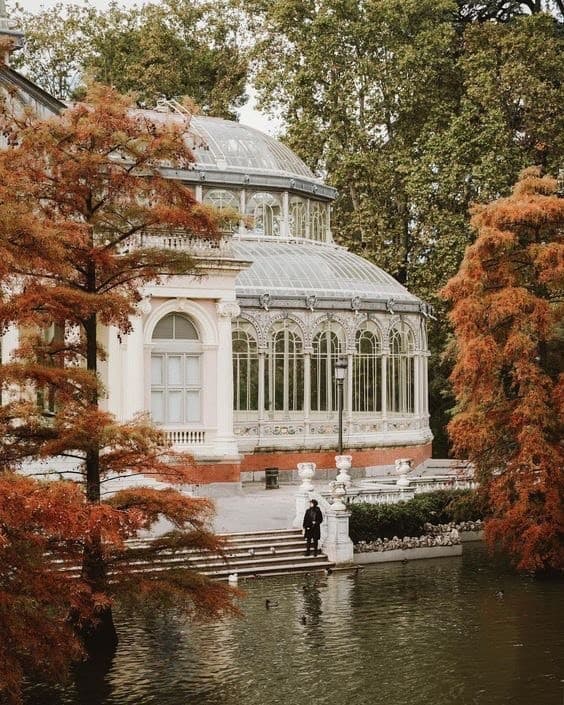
column 312, row 526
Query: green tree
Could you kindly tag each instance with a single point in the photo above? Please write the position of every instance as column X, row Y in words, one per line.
column 159, row 50
column 413, row 118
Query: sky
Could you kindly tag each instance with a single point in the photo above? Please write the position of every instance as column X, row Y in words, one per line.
column 248, row 114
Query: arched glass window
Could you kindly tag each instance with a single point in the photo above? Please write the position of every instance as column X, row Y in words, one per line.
column 285, row 369
column 176, row 371
column 265, row 210
column 223, row 200
column 327, row 347
column 298, row 218
column 245, row 367
column 367, row 371
column 401, row 372
column 317, row 221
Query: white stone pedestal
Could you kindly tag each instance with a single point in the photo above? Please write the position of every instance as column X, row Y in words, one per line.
column 337, row 544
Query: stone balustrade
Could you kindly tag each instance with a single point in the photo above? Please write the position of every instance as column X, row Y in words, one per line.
column 196, row 246
column 184, row 436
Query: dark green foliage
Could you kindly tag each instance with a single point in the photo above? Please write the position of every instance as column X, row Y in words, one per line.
column 373, row 521
column 167, row 49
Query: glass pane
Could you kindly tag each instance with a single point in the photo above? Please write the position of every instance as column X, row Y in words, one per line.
column 174, row 400
column 163, row 329
column 192, row 370
column 157, row 406
column 193, row 406
column 184, row 329
column 174, row 370
column 157, row 369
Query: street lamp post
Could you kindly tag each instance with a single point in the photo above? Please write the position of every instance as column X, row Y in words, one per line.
column 340, row 373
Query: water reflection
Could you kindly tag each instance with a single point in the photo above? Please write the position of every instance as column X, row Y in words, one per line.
column 424, row 633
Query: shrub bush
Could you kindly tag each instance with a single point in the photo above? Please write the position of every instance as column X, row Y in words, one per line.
column 384, row 521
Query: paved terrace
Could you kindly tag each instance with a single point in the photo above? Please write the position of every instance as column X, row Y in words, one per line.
column 253, row 508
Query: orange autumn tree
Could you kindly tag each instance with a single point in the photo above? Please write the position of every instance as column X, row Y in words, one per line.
column 75, row 191
column 37, row 640
column 507, row 304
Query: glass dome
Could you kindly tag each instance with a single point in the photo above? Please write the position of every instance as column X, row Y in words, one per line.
column 303, row 268
column 229, row 145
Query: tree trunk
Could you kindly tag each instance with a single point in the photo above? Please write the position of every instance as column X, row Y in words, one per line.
column 99, row 634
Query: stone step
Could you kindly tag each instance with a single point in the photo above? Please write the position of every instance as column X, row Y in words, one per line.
column 255, row 562
column 213, row 566
column 230, row 549
column 212, row 560
column 258, row 534
column 302, row 567
column 288, row 557
column 231, row 540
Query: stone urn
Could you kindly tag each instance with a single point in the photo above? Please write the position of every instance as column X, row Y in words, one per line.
column 403, row 466
column 338, row 492
column 343, row 463
column 306, row 471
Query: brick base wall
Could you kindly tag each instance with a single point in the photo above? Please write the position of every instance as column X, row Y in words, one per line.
column 205, row 473
column 361, row 458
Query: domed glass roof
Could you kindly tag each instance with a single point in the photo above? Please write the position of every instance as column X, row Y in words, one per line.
column 305, row 268
column 229, row 145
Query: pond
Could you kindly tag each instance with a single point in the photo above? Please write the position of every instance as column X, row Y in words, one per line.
column 421, row 633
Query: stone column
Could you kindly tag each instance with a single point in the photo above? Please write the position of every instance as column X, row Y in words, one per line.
column 225, row 438
column 384, row 384
column 10, row 343
column 242, row 207
column 285, row 223
column 135, row 377
column 349, row 388
column 337, row 544
column 417, row 391
column 426, row 383
column 307, row 385
column 261, row 397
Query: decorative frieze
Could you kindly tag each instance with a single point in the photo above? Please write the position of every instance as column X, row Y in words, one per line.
column 228, row 309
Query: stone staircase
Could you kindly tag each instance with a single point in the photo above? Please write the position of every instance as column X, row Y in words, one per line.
column 263, row 553
column 249, row 555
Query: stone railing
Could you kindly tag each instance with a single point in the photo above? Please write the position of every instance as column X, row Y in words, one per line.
column 196, row 246
column 387, row 492
column 184, row 436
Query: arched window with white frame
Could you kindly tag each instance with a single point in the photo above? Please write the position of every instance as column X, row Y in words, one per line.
column 223, row 200
column 317, row 221
column 401, row 371
column 176, row 375
column 265, row 210
column 367, row 370
column 328, row 346
column 298, row 218
column 285, row 369
column 245, row 366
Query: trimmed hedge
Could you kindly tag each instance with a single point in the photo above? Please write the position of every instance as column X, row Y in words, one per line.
column 384, row 521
